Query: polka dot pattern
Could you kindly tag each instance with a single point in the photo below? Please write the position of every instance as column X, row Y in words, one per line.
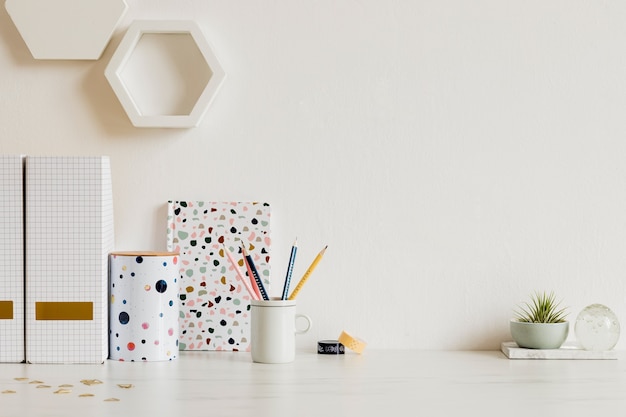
column 143, row 308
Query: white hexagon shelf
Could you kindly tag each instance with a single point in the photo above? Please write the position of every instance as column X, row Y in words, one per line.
column 164, row 73
column 66, row 29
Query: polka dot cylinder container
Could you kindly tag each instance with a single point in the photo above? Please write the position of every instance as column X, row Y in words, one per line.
column 143, row 313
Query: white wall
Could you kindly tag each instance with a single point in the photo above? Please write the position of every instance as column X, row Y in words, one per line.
column 455, row 155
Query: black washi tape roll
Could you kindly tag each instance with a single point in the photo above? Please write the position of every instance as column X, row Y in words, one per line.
column 330, row 347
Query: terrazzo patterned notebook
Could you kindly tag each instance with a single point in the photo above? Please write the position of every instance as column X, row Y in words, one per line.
column 12, row 259
column 69, row 234
column 214, row 304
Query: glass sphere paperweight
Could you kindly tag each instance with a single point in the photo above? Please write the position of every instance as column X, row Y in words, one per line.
column 597, row 328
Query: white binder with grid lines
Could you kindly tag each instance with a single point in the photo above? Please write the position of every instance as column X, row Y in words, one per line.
column 69, row 234
column 12, row 255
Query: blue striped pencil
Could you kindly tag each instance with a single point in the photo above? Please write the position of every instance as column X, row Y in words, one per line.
column 292, row 260
column 255, row 274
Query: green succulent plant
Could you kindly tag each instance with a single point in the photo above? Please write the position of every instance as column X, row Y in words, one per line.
column 543, row 308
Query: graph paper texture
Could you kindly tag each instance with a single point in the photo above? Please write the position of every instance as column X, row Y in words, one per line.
column 69, row 234
column 12, row 255
column 214, row 304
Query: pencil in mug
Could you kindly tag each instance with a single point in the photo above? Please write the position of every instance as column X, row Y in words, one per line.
column 317, row 260
column 292, row 259
column 254, row 273
column 240, row 274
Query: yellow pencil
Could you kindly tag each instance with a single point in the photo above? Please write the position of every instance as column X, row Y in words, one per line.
column 317, row 260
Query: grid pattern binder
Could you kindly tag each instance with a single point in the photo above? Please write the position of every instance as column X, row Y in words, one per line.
column 214, row 304
column 12, row 255
column 69, row 234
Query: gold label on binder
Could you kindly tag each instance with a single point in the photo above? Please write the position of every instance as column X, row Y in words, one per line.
column 63, row 310
column 6, row 310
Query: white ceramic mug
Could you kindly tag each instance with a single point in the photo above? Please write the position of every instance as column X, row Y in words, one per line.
column 143, row 310
column 274, row 329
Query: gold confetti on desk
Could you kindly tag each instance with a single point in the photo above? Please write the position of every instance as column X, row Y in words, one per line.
column 63, row 391
column 9, row 391
column 112, row 399
column 125, row 386
column 91, row 381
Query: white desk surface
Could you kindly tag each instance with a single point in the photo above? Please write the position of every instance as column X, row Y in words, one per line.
column 376, row 383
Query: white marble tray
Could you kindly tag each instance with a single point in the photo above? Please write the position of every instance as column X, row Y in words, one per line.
column 567, row 351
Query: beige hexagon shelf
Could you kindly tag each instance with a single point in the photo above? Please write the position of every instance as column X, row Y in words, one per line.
column 164, row 73
column 66, row 29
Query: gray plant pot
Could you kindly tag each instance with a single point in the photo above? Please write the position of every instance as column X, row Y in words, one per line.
column 539, row 335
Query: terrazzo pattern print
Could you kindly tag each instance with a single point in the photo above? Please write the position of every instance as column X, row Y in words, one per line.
column 143, row 321
column 214, row 304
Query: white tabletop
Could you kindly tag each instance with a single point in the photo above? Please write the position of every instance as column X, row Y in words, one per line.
column 411, row 383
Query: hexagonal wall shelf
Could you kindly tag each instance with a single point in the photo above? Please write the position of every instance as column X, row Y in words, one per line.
column 66, row 29
column 164, row 73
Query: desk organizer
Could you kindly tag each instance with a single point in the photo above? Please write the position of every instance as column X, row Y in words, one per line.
column 69, row 234
column 214, row 304
column 164, row 73
column 143, row 319
column 12, row 255
column 567, row 351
